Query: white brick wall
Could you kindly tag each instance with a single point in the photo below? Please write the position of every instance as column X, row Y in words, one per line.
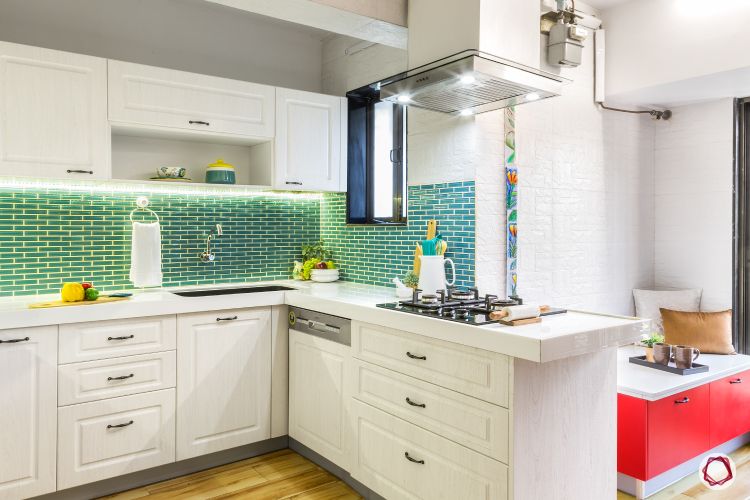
column 586, row 219
column 693, row 193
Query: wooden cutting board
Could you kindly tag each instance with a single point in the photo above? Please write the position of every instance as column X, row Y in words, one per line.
column 60, row 303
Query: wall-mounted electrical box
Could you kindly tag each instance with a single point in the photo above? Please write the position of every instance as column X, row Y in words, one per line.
column 565, row 45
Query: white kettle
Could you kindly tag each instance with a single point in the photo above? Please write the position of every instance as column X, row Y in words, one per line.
column 432, row 273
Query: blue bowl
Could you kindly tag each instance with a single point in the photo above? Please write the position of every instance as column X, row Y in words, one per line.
column 220, row 176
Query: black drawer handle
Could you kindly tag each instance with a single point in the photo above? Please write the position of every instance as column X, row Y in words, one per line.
column 198, row 122
column 13, row 341
column 117, row 426
column 294, row 183
column 736, row 381
column 421, row 405
column 682, row 401
column 123, row 377
column 420, row 462
column 77, row 171
column 121, row 338
column 414, row 356
column 227, row 319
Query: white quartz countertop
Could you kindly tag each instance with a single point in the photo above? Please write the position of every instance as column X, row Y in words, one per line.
column 556, row 337
column 651, row 384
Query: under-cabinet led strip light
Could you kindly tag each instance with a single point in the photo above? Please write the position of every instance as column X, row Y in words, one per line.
column 117, row 187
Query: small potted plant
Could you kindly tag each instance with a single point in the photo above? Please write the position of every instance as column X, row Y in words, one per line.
column 648, row 341
column 411, row 279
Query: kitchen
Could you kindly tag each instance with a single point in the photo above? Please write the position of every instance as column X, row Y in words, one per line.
column 198, row 154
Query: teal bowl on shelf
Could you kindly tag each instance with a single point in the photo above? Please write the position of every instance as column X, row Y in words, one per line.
column 220, row 176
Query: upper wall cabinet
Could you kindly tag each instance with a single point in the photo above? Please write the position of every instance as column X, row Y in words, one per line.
column 309, row 141
column 159, row 97
column 53, row 110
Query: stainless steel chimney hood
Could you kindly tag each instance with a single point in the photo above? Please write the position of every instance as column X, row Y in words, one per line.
column 469, row 82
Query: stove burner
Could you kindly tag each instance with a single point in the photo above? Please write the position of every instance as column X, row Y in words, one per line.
column 461, row 295
column 462, row 313
column 429, row 299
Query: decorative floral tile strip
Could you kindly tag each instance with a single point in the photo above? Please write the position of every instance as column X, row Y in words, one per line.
column 511, row 202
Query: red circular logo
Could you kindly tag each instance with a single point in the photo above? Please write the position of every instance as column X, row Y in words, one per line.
column 717, row 471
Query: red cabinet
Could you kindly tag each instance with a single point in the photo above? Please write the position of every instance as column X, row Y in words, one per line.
column 677, row 429
column 730, row 408
column 654, row 436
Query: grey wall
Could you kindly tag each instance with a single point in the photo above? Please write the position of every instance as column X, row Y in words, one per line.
column 190, row 35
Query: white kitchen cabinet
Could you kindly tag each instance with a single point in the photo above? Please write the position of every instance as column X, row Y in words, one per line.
column 308, row 141
column 318, row 415
column 115, row 436
column 398, row 460
column 54, row 113
column 109, row 378
column 116, row 338
column 28, row 411
column 223, row 380
column 171, row 99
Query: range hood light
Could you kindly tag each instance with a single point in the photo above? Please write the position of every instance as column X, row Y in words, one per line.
column 466, row 112
column 471, row 80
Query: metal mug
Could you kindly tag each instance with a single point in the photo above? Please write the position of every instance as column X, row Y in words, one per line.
column 662, row 353
column 684, row 355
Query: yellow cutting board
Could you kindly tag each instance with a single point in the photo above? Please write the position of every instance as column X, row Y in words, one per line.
column 60, row 303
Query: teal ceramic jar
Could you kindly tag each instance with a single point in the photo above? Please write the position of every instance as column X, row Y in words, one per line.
column 220, row 173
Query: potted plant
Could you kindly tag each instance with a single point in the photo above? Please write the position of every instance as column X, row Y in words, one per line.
column 648, row 341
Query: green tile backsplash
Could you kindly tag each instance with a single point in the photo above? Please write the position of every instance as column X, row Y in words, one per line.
column 52, row 235
column 375, row 254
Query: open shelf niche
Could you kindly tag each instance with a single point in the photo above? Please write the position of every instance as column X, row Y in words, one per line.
column 137, row 153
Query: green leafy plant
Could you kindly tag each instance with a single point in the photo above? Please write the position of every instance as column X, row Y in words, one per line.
column 411, row 279
column 316, row 251
column 649, row 340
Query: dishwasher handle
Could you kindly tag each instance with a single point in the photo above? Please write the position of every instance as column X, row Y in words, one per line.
column 320, row 326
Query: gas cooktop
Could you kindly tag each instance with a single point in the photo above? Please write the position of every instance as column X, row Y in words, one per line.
column 453, row 304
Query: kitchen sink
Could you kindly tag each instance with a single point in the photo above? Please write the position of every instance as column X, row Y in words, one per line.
column 230, row 291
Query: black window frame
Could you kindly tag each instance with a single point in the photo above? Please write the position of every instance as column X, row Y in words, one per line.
column 360, row 147
column 741, row 222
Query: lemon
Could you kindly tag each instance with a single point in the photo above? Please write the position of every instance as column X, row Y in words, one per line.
column 72, row 292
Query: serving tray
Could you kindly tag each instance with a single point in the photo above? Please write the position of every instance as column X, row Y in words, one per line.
column 671, row 368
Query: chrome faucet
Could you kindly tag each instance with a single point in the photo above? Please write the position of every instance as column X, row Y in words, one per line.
column 207, row 255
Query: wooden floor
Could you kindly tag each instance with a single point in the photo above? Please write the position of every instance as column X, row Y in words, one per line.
column 690, row 487
column 282, row 474
column 285, row 474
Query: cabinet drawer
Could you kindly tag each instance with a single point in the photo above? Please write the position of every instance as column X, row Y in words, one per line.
column 730, row 408
column 397, row 459
column 471, row 371
column 115, row 436
column 677, row 429
column 107, row 378
column 147, row 95
column 471, row 422
column 122, row 337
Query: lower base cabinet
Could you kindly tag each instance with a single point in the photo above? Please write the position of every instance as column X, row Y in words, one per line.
column 397, row 460
column 223, row 380
column 28, row 407
column 116, row 436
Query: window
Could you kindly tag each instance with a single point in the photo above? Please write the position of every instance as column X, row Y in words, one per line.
column 376, row 180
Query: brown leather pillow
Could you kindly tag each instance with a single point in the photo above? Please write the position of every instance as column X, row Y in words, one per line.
column 711, row 332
